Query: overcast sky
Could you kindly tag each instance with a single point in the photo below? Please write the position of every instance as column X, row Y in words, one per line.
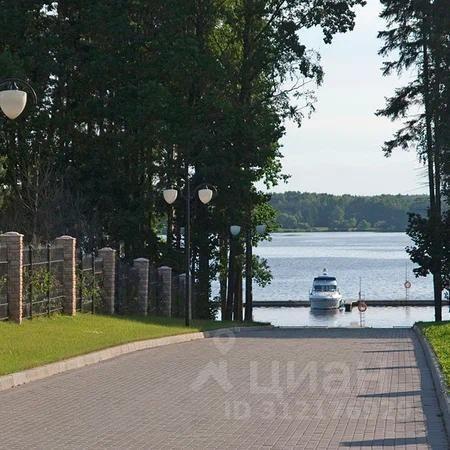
column 338, row 150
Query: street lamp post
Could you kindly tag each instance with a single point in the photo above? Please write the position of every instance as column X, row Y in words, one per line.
column 13, row 99
column 205, row 195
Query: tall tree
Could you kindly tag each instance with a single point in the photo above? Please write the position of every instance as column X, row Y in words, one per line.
column 415, row 35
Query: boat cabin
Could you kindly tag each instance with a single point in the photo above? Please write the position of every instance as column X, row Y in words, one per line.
column 325, row 283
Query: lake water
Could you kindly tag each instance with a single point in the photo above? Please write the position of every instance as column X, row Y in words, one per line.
column 375, row 316
column 379, row 259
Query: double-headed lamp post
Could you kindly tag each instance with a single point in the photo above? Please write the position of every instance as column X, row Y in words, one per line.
column 205, row 195
column 13, row 99
column 235, row 231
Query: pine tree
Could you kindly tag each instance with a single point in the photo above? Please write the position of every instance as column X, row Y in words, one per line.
column 416, row 33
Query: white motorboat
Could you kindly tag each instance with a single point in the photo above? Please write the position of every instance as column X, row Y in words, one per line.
column 325, row 293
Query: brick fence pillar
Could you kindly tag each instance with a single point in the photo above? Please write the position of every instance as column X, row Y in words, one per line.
column 14, row 244
column 68, row 245
column 142, row 266
column 165, row 283
column 108, row 256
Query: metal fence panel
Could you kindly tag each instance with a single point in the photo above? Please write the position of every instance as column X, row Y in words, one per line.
column 89, row 281
column 127, row 282
column 43, row 271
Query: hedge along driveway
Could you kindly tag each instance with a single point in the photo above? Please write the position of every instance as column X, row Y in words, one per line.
column 44, row 340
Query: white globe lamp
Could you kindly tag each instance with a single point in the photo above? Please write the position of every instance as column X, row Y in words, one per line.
column 170, row 195
column 205, row 195
column 13, row 102
column 235, row 230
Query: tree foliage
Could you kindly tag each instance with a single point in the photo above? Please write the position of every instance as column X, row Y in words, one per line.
column 132, row 95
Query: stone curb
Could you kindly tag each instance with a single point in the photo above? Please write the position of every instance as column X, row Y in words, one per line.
column 26, row 376
column 438, row 378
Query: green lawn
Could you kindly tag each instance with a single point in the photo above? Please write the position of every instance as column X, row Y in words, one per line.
column 438, row 334
column 44, row 340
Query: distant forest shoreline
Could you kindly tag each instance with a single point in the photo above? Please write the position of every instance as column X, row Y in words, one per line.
column 309, row 212
column 332, row 230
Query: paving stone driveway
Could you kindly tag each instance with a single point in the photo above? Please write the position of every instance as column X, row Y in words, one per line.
column 282, row 388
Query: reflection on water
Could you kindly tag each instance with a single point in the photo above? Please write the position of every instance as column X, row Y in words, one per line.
column 323, row 314
column 375, row 316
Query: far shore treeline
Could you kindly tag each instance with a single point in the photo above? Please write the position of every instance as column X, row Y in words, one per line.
column 304, row 211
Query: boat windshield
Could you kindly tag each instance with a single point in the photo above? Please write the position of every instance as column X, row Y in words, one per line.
column 325, row 288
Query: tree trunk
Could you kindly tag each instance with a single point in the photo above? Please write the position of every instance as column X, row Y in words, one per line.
column 203, row 311
column 238, row 306
column 194, row 280
column 433, row 189
column 238, row 297
column 230, row 293
column 223, row 253
column 436, row 56
column 248, row 276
